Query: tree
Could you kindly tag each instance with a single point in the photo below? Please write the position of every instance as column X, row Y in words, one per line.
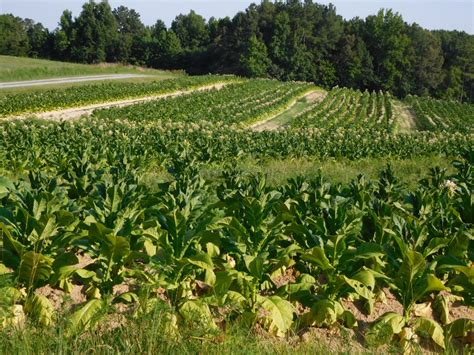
column 453, row 84
column 426, row 61
column 132, row 36
column 63, row 37
column 38, row 39
column 95, row 33
column 13, row 36
column 255, row 61
column 387, row 41
column 279, row 45
column 353, row 61
column 166, row 51
column 192, row 31
column 458, row 52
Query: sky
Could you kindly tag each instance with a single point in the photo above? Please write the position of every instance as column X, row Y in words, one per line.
column 431, row 14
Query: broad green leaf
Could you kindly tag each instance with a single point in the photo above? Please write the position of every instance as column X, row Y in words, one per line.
column 10, row 295
column 349, row 319
column 150, row 248
column 127, row 297
column 212, row 250
column 278, row 317
column 10, row 244
column 460, row 328
column 434, row 245
column 392, row 320
column 429, row 283
column 318, row 257
column 202, row 260
column 199, row 312
column 40, row 308
column 98, row 230
column 441, row 305
column 4, row 270
column 85, row 274
column 116, row 248
column 64, row 266
column 429, row 328
column 235, row 299
column 325, row 313
column 34, row 268
column 413, row 264
column 254, row 265
column 363, row 283
column 85, row 316
column 5, row 186
column 209, row 277
column 369, row 250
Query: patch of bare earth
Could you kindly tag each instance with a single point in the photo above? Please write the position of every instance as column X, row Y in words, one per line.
column 389, row 304
column 60, row 299
column 77, row 112
column 271, row 124
column 288, row 276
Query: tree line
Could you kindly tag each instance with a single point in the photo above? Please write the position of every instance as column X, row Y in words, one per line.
column 287, row 40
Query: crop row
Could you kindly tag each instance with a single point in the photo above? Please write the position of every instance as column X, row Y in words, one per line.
column 236, row 103
column 40, row 101
column 441, row 115
column 282, row 259
column 349, row 109
column 48, row 144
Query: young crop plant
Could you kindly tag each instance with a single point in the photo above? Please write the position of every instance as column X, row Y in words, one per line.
column 142, row 212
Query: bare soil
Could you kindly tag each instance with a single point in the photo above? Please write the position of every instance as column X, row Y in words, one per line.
column 390, row 304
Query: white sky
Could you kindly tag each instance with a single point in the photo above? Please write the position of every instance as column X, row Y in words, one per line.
column 431, row 14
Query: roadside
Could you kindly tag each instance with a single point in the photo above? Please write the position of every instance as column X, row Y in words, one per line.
column 77, row 79
column 296, row 108
column 21, row 68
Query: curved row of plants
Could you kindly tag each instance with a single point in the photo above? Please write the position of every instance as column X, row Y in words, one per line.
column 240, row 103
column 40, row 101
column 442, row 115
column 348, row 108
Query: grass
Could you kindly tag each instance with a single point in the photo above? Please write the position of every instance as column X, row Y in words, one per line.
column 40, row 88
column 409, row 171
column 18, row 68
column 285, row 117
column 151, row 334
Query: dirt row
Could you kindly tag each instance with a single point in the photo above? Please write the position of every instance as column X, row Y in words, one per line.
column 77, row 112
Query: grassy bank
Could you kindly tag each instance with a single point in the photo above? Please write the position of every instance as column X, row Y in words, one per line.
column 17, row 68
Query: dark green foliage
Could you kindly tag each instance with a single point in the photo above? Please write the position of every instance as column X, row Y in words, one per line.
column 13, row 37
column 291, row 40
column 255, row 61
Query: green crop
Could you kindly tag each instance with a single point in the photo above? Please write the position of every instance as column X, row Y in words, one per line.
column 76, row 213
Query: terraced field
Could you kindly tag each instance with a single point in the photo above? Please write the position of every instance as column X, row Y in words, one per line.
column 111, row 219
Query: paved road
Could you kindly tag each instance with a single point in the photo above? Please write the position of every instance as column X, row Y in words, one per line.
column 77, row 79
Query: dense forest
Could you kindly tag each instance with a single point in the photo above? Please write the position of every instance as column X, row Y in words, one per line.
column 287, row 40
